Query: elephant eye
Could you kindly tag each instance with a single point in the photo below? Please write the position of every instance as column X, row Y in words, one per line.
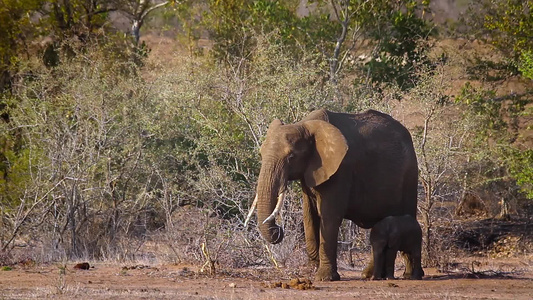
column 290, row 156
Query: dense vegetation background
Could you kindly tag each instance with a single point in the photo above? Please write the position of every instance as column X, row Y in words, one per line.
column 130, row 129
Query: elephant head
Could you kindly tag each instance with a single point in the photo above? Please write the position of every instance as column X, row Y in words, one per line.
column 310, row 151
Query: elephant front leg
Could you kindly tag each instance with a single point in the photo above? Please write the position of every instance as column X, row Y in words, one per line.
column 327, row 269
column 311, row 229
column 332, row 203
column 378, row 255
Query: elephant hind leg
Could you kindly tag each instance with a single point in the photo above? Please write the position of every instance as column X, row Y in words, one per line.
column 416, row 260
column 418, row 273
column 390, row 257
column 413, row 265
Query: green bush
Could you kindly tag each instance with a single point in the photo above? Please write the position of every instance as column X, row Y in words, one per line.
column 525, row 65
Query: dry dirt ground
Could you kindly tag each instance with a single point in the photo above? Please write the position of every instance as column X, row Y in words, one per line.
column 491, row 279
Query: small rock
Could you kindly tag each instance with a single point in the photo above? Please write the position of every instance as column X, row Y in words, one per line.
column 232, row 285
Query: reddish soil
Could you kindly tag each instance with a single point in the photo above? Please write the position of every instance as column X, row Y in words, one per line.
column 491, row 279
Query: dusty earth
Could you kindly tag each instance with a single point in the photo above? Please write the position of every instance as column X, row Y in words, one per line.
column 490, row 279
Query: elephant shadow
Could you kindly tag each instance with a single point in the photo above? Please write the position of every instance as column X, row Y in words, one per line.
column 490, row 275
column 470, row 275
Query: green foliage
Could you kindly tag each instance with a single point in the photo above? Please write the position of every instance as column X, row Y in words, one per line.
column 510, row 24
column 15, row 176
column 181, row 20
column 234, row 23
column 525, row 65
column 506, row 24
column 70, row 27
column 396, row 29
column 402, row 39
column 15, row 17
column 482, row 105
column 229, row 34
column 75, row 18
column 492, row 145
column 521, row 168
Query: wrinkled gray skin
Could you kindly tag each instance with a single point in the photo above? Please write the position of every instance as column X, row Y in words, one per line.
column 360, row 167
column 393, row 234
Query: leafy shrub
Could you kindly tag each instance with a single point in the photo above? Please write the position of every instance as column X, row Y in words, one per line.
column 525, row 65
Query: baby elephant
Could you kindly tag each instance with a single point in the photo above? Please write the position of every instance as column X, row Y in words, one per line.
column 393, row 234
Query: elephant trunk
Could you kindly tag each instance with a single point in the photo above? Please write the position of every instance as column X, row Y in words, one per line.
column 270, row 185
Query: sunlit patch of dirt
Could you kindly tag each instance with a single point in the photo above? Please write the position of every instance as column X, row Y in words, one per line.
column 468, row 278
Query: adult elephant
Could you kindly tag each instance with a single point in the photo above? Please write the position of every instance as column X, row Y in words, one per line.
column 360, row 167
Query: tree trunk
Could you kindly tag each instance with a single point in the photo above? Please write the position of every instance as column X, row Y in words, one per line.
column 135, row 31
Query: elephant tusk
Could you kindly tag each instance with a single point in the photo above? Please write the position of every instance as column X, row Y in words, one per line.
column 276, row 209
column 250, row 213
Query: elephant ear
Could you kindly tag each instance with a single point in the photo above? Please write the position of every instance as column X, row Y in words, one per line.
column 330, row 148
column 274, row 124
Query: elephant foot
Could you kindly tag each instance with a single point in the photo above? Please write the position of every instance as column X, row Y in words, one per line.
column 415, row 275
column 326, row 274
column 383, row 277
